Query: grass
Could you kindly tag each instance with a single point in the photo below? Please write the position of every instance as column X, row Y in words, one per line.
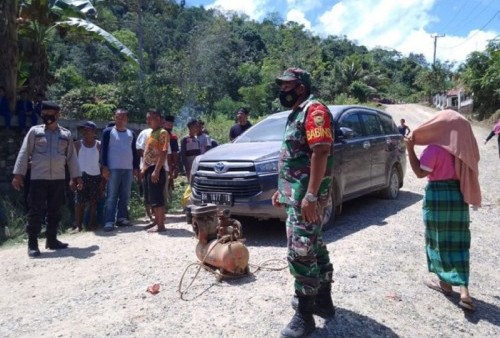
column 12, row 224
column 13, row 215
column 13, row 219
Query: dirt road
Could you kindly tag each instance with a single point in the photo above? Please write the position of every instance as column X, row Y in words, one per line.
column 97, row 287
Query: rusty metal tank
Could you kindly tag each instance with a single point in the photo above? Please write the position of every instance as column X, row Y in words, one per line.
column 220, row 242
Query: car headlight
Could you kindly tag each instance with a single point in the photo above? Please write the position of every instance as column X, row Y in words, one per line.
column 268, row 167
column 194, row 166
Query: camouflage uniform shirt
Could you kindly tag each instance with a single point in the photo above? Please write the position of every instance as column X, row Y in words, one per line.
column 309, row 125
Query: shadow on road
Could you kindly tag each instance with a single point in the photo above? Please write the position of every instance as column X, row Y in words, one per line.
column 263, row 233
column 356, row 215
column 367, row 211
column 80, row 253
column 350, row 324
column 484, row 311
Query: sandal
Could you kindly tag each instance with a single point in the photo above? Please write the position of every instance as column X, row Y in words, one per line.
column 76, row 230
column 467, row 304
column 150, row 225
column 436, row 286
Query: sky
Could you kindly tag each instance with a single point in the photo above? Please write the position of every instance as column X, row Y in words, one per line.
column 408, row 26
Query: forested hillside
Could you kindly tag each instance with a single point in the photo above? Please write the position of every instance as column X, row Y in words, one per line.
column 194, row 61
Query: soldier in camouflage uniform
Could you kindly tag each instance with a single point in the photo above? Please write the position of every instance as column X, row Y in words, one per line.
column 305, row 178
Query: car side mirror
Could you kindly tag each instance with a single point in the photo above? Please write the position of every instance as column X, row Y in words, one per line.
column 343, row 134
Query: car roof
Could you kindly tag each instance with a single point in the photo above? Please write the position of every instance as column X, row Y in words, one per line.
column 336, row 110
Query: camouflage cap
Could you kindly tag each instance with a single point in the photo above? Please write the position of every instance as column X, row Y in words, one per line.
column 295, row 74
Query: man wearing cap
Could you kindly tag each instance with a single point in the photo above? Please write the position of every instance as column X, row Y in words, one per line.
column 120, row 162
column 304, row 183
column 242, row 123
column 50, row 148
column 87, row 150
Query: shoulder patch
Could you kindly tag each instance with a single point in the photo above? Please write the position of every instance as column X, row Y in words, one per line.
column 318, row 117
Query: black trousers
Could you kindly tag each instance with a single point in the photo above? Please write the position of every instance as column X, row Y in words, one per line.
column 153, row 192
column 46, row 197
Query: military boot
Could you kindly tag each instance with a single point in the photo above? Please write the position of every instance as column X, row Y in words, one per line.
column 53, row 243
column 33, row 250
column 302, row 323
column 323, row 305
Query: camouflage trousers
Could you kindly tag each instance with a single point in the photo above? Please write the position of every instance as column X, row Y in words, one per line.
column 308, row 258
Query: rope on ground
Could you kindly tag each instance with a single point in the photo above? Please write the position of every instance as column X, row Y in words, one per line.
column 220, row 276
column 262, row 266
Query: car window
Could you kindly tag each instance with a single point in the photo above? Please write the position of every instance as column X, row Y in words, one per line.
column 372, row 124
column 352, row 121
column 388, row 124
column 270, row 129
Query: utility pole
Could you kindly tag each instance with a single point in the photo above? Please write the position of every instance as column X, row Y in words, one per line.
column 140, row 39
column 435, row 44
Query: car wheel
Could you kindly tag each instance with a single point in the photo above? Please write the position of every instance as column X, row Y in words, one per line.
column 329, row 213
column 392, row 190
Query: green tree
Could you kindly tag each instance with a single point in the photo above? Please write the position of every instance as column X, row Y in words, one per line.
column 481, row 76
column 435, row 80
column 40, row 18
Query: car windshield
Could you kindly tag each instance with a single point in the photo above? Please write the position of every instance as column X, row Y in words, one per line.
column 270, row 129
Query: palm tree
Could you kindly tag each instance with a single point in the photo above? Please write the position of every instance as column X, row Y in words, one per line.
column 39, row 18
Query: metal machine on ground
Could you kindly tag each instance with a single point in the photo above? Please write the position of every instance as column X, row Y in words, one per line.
column 220, row 243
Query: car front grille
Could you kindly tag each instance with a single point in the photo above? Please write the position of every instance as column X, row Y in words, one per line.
column 238, row 178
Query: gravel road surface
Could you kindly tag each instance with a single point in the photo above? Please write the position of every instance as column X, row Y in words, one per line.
column 97, row 287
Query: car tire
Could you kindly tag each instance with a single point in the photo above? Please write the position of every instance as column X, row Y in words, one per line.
column 329, row 213
column 391, row 192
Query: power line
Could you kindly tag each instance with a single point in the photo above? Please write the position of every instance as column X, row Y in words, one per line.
column 481, row 12
column 456, row 14
column 480, row 29
column 469, row 15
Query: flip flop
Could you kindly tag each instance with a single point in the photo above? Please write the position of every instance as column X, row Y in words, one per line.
column 156, row 229
column 436, row 286
column 467, row 304
column 150, row 225
column 76, row 230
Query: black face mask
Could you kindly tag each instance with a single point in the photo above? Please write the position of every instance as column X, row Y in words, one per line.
column 288, row 98
column 48, row 119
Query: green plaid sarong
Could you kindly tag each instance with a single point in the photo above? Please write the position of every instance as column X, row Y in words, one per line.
column 447, row 234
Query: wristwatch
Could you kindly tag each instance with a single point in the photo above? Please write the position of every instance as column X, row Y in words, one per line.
column 310, row 197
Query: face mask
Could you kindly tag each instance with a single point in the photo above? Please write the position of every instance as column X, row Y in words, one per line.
column 289, row 98
column 48, row 119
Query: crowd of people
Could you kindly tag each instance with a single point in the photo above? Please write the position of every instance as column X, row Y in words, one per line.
column 100, row 172
column 105, row 168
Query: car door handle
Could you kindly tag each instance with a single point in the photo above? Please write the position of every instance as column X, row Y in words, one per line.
column 366, row 145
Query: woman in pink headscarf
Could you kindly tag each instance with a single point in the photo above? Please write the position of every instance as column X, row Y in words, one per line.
column 450, row 164
column 495, row 131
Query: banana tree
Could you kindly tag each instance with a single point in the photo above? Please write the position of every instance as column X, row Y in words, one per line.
column 38, row 19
